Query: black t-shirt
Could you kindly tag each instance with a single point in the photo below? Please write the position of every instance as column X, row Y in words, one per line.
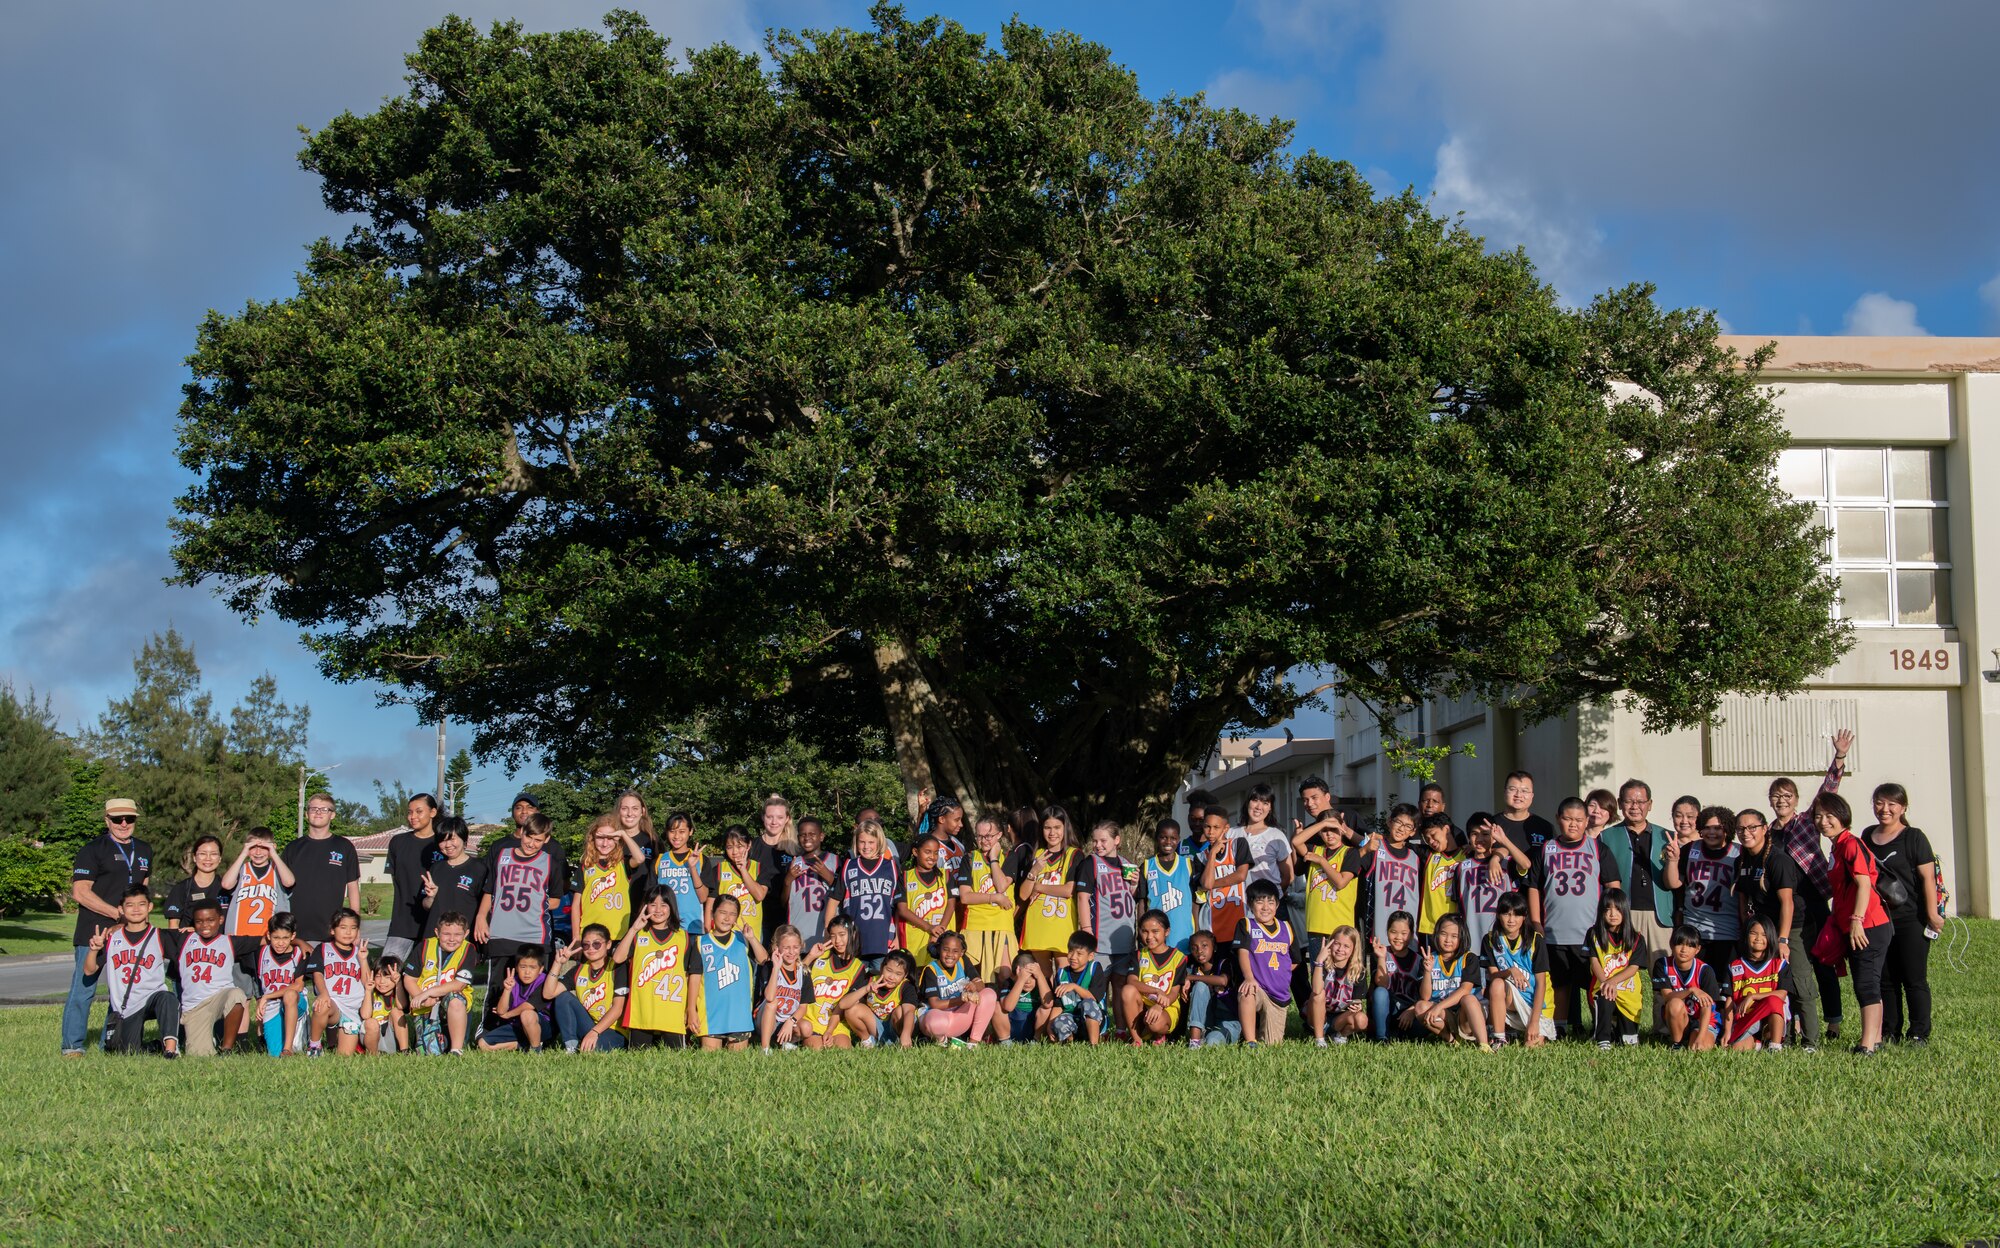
column 459, row 888
column 773, row 862
column 111, row 868
column 181, row 898
column 409, row 857
column 1015, row 866
column 1902, row 859
column 322, row 870
column 1527, row 834
column 1760, row 879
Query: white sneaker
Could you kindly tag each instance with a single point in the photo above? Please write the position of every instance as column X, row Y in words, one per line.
column 1320, row 1043
column 1340, row 1039
column 868, row 1042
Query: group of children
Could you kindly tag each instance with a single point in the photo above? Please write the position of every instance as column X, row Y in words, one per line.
column 1468, row 938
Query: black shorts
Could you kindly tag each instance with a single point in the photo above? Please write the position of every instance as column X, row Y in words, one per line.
column 1865, row 966
column 730, row 1037
column 641, row 1038
column 1569, row 966
column 1719, row 954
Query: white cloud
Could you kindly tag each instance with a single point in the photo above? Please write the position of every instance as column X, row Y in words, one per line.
column 1509, row 212
column 1876, row 313
column 1667, row 112
column 1989, row 294
column 1262, row 94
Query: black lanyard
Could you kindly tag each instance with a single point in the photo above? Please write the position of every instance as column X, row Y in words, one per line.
column 132, row 972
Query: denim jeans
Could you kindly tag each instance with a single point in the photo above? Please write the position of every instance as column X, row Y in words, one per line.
column 76, row 1010
column 573, row 1021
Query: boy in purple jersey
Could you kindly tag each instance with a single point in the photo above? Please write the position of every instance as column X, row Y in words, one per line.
column 1264, row 954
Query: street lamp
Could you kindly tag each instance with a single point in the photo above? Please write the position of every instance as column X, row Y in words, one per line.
column 303, row 769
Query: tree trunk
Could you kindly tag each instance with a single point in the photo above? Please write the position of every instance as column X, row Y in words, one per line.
column 904, row 691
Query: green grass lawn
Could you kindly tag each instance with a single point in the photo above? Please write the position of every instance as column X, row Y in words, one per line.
column 1405, row 1144
column 36, row 933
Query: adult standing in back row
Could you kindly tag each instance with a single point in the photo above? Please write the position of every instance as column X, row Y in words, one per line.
column 411, row 853
column 1904, row 855
column 1518, row 819
column 106, row 867
column 326, row 872
column 1793, row 829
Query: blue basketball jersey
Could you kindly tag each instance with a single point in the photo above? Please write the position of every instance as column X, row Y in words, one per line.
column 678, row 876
column 1171, row 893
column 725, row 983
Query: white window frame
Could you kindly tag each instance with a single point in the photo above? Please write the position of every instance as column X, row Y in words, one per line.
column 1831, row 506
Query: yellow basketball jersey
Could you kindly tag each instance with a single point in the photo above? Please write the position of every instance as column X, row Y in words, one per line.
column 1329, row 909
column 1440, row 873
column 658, row 999
column 1050, row 920
column 984, row 916
column 606, row 898
column 830, row 984
column 598, row 995
column 931, row 903
column 729, row 880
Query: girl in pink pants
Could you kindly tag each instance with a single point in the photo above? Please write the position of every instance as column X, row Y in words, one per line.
column 956, row 1005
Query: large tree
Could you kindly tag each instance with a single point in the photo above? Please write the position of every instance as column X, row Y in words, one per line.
column 907, row 382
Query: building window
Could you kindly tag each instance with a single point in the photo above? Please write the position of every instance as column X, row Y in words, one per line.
column 1886, row 507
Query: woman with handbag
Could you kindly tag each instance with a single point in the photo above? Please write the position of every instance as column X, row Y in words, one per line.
column 1859, row 930
column 1909, row 890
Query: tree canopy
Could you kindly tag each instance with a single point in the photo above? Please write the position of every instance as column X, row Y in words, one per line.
column 908, row 383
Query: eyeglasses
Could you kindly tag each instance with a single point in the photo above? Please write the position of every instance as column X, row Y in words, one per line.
column 1752, row 827
column 593, row 944
column 124, row 819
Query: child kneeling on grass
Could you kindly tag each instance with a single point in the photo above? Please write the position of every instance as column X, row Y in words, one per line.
column 785, row 1014
column 884, row 1007
column 1399, row 978
column 1758, row 996
column 1023, row 1004
column 1451, row 1008
column 1151, row 998
column 210, row 999
column 1339, row 988
column 387, row 1030
column 1264, row 955
column 955, row 1007
column 1517, row 977
column 141, row 961
column 1076, row 997
column 523, row 1011
column 340, row 979
column 1614, row 972
column 1689, row 990
column 277, row 971
column 1212, row 1017
column 440, row 990
column 587, row 994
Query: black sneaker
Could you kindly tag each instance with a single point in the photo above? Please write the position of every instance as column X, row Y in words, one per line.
column 1918, row 1042
column 1862, row 1050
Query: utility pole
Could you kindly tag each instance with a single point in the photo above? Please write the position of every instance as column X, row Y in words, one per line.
column 302, row 800
column 440, row 788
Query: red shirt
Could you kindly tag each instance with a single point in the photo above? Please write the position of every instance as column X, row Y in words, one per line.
column 1848, row 860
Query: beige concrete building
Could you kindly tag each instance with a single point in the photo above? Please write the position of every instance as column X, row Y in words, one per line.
column 1893, row 438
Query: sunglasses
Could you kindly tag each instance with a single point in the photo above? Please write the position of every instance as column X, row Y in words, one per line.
column 594, row 944
column 124, row 818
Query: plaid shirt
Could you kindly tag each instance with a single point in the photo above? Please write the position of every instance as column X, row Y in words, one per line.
column 1801, row 839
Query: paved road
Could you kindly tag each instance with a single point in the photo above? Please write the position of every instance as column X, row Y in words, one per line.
column 37, row 978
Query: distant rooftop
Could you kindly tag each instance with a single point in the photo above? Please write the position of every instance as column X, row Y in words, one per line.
column 1811, row 353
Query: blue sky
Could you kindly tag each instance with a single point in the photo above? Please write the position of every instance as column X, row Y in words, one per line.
column 1799, row 167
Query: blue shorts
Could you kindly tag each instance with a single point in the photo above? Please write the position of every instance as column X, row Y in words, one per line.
column 885, row 1032
column 1021, row 1026
column 1217, row 1034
